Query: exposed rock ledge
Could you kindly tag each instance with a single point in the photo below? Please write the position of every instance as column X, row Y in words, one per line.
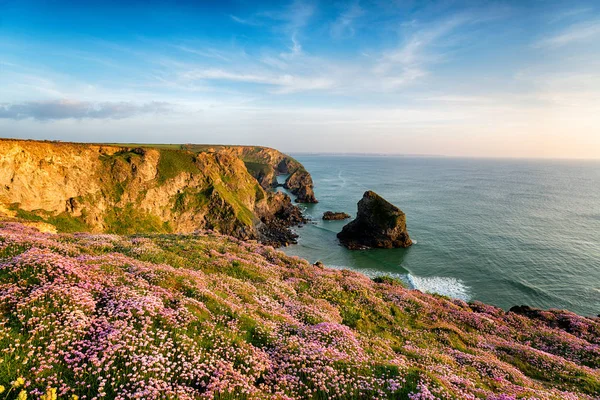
column 378, row 224
column 335, row 216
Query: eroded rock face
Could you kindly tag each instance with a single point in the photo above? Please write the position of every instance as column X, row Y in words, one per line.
column 119, row 189
column 378, row 224
column 335, row 216
column 265, row 164
column 300, row 184
column 274, row 228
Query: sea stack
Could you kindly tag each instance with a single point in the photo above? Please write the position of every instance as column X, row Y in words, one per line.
column 378, row 224
column 300, row 183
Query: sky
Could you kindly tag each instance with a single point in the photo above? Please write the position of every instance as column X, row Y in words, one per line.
column 477, row 78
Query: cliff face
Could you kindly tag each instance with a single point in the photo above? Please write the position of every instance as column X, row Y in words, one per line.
column 122, row 189
column 265, row 164
column 300, row 183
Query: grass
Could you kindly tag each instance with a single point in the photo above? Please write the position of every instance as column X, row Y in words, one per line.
column 64, row 222
column 173, row 163
column 129, row 220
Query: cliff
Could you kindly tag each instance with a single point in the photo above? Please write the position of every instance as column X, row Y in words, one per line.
column 132, row 188
column 208, row 316
column 265, row 164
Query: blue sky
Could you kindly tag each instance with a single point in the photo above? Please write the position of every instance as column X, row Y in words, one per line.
column 461, row 78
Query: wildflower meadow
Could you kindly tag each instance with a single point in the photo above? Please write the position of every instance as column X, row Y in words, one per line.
column 86, row 316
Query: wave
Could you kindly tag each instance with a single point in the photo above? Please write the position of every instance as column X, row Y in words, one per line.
column 445, row 286
column 341, row 178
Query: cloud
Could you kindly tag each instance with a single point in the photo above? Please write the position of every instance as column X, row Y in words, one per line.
column 243, row 21
column 575, row 33
column 292, row 18
column 297, row 15
column 295, row 49
column 70, row 109
column 568, row 14
column 343, row 27
column 285, row 83
column 408, row 62
column 206, row 53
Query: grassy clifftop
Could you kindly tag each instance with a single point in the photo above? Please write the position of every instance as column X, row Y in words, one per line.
column 137, row 188
column 209, row 316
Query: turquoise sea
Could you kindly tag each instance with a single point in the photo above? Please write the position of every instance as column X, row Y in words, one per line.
column 504, row 232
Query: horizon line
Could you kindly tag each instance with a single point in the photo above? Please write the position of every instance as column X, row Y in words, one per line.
column 316, row 153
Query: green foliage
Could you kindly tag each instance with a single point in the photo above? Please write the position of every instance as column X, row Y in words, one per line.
column 28, row 215
column 243, row 214
column 66, row 222
column 129, row 220
column 173, row 163
column 388, row 280
column 191, row 199
column 257, row 168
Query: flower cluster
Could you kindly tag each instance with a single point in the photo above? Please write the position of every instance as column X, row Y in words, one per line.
column 208, row 316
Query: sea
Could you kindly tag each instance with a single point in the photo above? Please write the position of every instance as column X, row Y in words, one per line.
column 501, row 231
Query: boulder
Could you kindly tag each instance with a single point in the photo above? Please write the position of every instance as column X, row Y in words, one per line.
column 378, row 224
column 335, row 216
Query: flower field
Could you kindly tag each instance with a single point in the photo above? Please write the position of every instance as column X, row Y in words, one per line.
column 208, row 316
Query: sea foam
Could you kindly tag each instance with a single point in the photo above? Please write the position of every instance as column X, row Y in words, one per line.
column 445, row 286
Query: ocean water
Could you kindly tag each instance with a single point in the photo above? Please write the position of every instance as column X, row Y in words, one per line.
column 504, row 232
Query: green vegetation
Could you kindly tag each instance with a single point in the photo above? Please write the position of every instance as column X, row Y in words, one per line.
column 173, row 163
column 63, row 222
column 130, row 220
column 257, row 168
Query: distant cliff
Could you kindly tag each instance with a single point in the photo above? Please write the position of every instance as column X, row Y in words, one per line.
column 144, row 188
column 265, row 164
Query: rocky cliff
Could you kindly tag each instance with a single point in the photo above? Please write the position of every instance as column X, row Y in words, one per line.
column 265, row 164
column 126, row 189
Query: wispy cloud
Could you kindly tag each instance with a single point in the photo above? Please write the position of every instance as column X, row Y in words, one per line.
column 295, row 49
column 245, row 21
column 575, row 33
column 343, row 26
column 296, row 16
column 282, row 83
column 567, row 14
column 207, row 53
column 69, row 109
column 408, row 62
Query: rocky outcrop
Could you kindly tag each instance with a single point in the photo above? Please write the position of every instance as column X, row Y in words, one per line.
column 378, row 224
column 275, row 225
column 335, row 216
column 300, row 184
column 120, row 189
column 265, row 164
